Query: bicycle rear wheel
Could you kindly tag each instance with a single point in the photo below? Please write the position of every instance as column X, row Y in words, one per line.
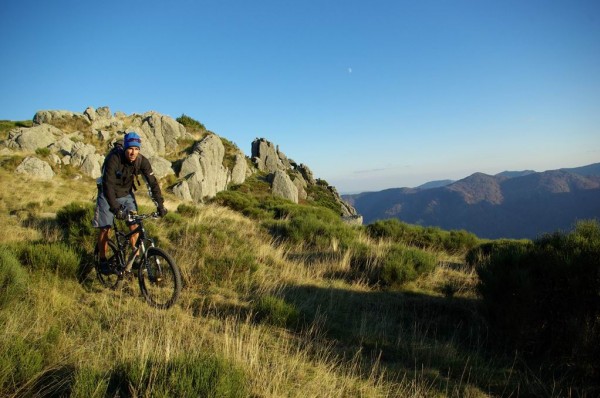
column 111, row 280
column 160, row 280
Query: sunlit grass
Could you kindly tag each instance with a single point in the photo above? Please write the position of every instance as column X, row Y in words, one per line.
column 267, row 317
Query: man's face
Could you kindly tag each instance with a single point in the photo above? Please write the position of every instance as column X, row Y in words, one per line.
column 132, row 153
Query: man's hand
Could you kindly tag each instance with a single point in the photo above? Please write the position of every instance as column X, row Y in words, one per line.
column 162, row 211
column 120, row 213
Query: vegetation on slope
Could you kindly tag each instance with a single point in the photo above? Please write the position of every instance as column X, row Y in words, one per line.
column 286, row 300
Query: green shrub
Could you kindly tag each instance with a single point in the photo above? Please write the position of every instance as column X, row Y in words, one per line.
column 542, row 298
column 398, row 265
column 184, row 376
column 423, row 237
column 501, row 247
column 403, row 264
column 190, row 123
column 43, row 152
column 320, row 195
column 315, row 227
column 75, row 219
column 363, row 260
column 13, row 277
column 54, row 257
column 172, row 218
column 277, row 312
column 188, row 210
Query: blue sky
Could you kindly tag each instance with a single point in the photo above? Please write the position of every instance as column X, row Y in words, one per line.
column 370, row 95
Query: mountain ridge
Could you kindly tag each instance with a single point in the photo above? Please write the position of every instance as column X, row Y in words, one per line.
column 506, row 205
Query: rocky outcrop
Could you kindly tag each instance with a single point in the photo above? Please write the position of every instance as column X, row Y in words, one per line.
column 161, row 167
column 36, row 168
column 204, row 173
column 290, row 180
column 31, row 138
column 283, row 186
column 213, row 165
column 160, row 133
column 266, row 156
column 57, row 116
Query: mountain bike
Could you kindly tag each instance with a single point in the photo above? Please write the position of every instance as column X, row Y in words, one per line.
column 158, row 275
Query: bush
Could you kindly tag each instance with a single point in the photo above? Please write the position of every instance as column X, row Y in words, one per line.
column 404, row 264
column 423, row 237
column 13, row 277
column 276, row 312
column 398, row 265
column 185, row 376
column 542, row 298
column 43, row 152
column 190, row 123
column 188, row 210
column 75, row 219
column 315, row 227
column 501, row 247
column 54, row 257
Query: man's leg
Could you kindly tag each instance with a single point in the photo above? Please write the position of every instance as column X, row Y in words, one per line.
column 103, row 242
column 133, row 237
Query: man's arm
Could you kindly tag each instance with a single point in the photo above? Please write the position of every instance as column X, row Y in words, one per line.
column 152, row 182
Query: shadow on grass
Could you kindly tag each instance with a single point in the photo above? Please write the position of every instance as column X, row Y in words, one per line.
column 51, row 383
column 440, row 341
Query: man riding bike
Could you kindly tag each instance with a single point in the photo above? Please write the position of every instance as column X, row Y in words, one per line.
column 116, row 193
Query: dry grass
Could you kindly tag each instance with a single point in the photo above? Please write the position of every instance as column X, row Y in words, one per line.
column 333, row 353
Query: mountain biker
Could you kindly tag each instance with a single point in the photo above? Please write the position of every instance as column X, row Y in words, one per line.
column 116, row 193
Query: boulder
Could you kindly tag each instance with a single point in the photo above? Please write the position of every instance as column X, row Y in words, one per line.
column 63, row 146
column 190, row 165
column 182, row 191
column 53, row 116
column 161, row 132
column 90, row 113
column 31, row 138
column 203, row 170
column 36, row 168
column 283, row 186
column 301, row 186
column 240, row 168
column 79, row 152
column 307, row 174
column 92, row 165
column 161, row 167
column 267, row 157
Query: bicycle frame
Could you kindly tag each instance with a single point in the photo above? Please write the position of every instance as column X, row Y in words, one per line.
column 157, row 273
column 123, row 240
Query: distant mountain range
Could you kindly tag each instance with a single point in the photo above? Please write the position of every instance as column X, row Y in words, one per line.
column 511, row 204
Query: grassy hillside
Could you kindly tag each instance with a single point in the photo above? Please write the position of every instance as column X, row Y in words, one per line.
column 279, row 300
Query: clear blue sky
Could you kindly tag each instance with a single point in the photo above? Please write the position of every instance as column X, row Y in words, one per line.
column 369, row 94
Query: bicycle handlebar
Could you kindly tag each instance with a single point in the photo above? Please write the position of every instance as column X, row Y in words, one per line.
column 133, row 216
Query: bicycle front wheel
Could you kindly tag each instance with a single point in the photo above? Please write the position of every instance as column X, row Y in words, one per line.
column 160, row 279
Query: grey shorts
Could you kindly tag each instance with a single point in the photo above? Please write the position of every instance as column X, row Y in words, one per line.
column 103, row 217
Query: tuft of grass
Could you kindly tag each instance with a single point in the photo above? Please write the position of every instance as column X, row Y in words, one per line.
column 276, row 311
column 183, row 376
column 55, row 257
column 13, row 277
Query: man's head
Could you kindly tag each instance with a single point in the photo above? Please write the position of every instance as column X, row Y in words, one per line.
column 132, row 143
